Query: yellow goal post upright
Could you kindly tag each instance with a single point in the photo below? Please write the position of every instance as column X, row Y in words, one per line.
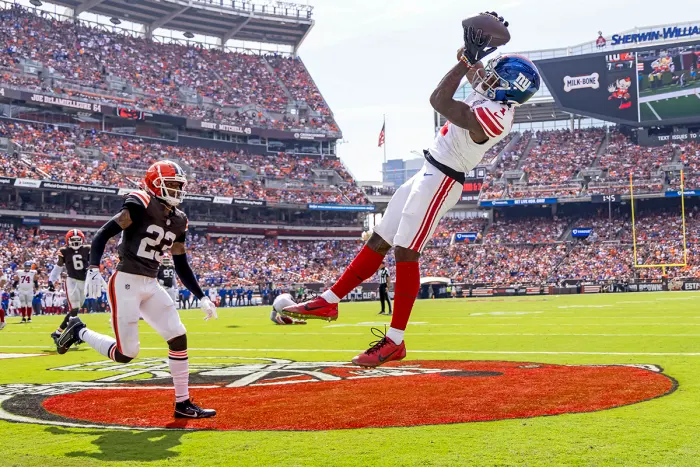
column 634, row 232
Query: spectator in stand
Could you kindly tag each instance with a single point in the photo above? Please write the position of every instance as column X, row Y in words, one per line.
column 504, row 256
column 79, row 57
column 52, row 153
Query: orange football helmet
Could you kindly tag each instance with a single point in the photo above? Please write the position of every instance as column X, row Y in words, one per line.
column 162, row 173
column 75, row 238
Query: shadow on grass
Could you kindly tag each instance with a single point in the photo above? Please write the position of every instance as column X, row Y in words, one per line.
column 232, row 326
column 139, row 446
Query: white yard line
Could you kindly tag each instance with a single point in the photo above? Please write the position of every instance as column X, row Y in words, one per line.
column 658, row 117
column 668, row 95
column 499, row 334
column 468, row 352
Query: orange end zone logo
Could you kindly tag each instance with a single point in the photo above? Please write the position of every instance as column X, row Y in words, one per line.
column 277, row 394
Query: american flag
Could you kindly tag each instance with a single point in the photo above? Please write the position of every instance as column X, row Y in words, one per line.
column 381, row 136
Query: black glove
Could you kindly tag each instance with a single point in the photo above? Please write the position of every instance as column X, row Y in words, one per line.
column 476, row 43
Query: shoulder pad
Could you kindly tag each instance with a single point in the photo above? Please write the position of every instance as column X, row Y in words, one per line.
column 138, row 197
column 491, row 117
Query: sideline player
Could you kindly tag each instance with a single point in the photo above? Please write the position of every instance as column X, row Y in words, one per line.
column 150, row 224
column 166, row 277
column 26, row 283
column 276, row 316
column 73, row 259
column 4, row 308
column 473, row 127
column 4, row 298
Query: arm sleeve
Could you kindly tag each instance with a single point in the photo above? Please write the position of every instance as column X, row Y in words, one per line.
column 55, row 273
column 99, row 241
column 184, row 272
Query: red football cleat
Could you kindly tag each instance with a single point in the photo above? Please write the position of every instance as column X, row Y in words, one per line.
column 318, row 308
column 381, row 351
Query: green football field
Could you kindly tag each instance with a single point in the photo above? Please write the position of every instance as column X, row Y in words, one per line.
column 520, row 381
column 675, row 107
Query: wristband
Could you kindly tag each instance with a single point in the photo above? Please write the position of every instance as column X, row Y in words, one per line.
column 466, row 61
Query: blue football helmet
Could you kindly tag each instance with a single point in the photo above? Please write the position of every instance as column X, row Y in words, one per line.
column 27, row 265
column 510, row 79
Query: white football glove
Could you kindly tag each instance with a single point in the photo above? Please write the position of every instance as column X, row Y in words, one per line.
column 93, row 283
column 209, row 309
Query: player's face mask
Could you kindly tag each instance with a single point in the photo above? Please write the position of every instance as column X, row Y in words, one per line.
column 172, row 190
column 75, row 242
column 486, row 82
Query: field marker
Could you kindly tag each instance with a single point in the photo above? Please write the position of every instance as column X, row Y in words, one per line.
column 635, row 301
column 4, row 356
column 477, row 334
column 474, row 352
column 506, row 313
column 676, row 298
column 653, row 110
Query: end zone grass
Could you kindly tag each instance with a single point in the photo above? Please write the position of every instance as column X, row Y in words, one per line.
column 644, row 328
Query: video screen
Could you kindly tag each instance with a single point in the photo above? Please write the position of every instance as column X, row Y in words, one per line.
column 669, row 82
column 601, row 85
column 605, row 85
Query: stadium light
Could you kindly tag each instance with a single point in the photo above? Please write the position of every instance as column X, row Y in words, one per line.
column 188, row 34
column 115, row 21
column 36, row 3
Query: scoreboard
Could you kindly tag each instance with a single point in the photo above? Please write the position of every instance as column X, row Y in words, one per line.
column 623, row 62
column 645, row 85
column 473, row 183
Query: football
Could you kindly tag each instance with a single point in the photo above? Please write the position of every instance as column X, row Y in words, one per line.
column 490, row 25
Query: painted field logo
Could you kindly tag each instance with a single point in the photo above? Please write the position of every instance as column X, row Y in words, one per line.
column 276, row 394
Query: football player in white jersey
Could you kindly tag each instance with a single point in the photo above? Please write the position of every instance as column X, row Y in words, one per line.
column 276, row 316
column 474, row 126
column 26, row 280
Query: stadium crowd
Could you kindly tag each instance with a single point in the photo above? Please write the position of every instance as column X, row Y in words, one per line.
column 50, row 152
column 157, row 77
column 560, row 154
column 526, row 250
column 552, row 167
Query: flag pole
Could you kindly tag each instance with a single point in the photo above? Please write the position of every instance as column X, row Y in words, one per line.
column 384, row 138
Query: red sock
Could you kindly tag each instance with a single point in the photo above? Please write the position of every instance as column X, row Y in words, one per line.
column 2, row 315
column 406, row 289
column 29, row 312
column 22, row 312
column 362, row 268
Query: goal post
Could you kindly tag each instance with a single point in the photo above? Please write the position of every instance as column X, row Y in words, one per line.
column 663, row 266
